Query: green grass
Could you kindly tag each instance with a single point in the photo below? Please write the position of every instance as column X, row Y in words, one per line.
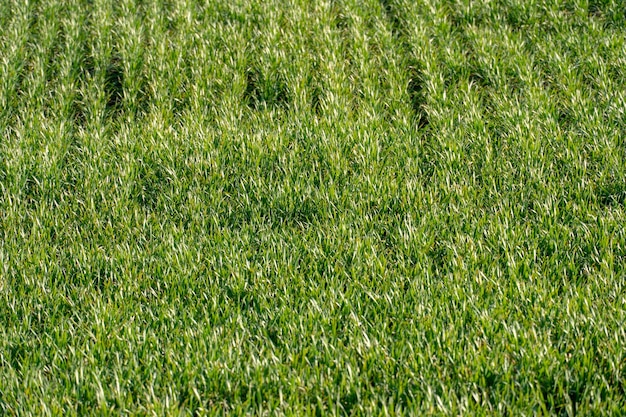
column 334, row 208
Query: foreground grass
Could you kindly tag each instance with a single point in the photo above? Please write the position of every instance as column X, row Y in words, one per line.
column 346, row 207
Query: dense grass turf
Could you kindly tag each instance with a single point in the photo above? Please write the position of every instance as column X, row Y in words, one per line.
column 342, row 207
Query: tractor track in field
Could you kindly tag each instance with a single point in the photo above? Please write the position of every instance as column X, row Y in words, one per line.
column 413, row 68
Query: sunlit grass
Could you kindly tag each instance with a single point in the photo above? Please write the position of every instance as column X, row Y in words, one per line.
column 292, row 207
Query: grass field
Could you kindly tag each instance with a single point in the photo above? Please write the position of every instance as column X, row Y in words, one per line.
column 346, row 207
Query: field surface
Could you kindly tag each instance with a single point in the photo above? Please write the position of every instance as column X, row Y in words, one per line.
column 377, row 207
